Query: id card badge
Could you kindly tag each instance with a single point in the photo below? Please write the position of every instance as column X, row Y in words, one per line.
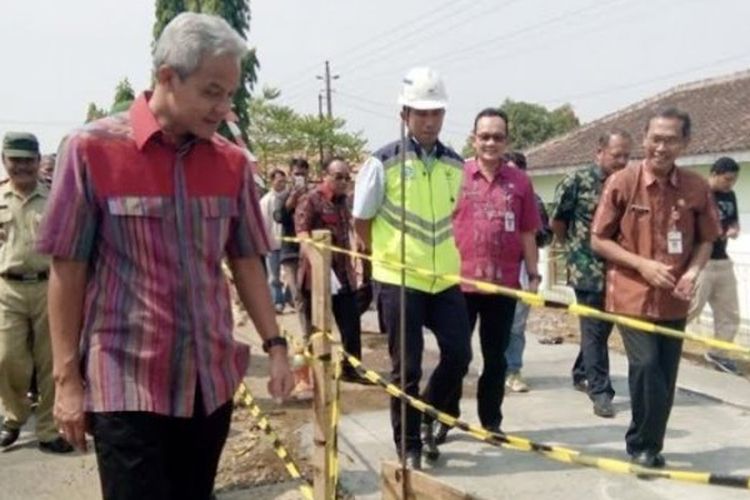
column 510, row 222
column 674, row 242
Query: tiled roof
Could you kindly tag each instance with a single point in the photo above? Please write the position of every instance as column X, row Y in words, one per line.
column 719, row 109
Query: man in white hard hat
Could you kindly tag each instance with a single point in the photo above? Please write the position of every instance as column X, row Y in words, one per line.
column 433, row 177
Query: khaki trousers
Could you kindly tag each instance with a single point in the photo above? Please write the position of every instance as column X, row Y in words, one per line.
column 717, row 286
column 25, row 345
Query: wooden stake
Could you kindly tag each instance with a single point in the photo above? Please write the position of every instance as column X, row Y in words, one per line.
column 320, row 263
column 419, row 486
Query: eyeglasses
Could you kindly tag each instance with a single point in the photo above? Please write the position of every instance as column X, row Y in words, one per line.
column 342, row 177
column 495, row 137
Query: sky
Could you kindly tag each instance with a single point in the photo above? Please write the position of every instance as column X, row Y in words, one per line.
column 597, row 55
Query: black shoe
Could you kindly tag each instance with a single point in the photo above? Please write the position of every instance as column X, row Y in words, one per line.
column 653, row 460
column 603, row 408
column 430, row 446
column 413, row 460
column 496, row 431
column 8, row 436
column 58, row 445
column 441, row 433
column 581, row 386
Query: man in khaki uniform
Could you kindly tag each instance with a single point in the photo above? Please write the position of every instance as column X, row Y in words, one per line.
column 24, row 331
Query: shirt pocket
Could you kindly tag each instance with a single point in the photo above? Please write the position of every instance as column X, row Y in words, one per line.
column 212, row 218
column 136, row 225
column 6, row 223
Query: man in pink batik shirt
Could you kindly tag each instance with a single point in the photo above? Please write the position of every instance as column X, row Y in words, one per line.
column 495, row 223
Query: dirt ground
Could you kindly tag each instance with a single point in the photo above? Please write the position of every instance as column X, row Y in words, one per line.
column 249, row 460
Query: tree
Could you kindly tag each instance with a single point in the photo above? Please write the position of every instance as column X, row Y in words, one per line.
column 94, row 112
column 237, row 14
column 124, row 96
column 532, row 124
column 277, row 133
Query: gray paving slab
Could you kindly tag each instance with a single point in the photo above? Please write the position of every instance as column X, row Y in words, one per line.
column 708, row 431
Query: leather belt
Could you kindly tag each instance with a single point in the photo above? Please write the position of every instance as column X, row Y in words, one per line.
column 25, row 277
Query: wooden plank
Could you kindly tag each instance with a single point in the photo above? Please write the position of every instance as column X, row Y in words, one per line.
column 323, row 442
column 420, row 486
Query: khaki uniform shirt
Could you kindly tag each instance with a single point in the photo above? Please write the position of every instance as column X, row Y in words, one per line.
column 19, row 221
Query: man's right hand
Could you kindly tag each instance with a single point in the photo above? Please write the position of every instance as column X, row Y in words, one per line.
column 68, row 411
column 656, row 273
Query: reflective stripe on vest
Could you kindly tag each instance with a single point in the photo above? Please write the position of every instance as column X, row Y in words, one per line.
column 430, row 200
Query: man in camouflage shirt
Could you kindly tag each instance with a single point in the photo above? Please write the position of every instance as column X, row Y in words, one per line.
column 576, row 198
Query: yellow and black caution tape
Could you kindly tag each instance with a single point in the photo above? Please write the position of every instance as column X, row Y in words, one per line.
column 247, row 399
column 555, row 452
column 537, row 300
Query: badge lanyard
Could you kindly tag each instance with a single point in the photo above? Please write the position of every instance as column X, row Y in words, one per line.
column 674, row 235
column 510, row 216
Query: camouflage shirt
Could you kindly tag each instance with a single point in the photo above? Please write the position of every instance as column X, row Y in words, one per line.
column 576, row 198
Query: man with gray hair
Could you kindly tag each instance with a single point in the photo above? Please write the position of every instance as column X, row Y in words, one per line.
column 145, row 206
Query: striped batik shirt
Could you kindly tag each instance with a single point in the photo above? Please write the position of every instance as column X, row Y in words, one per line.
column 153, row 222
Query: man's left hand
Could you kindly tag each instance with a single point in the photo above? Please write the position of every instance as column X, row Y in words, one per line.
column 281, row 379
column 685, row 287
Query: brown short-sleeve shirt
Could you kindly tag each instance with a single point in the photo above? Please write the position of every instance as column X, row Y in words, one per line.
column 639, row 211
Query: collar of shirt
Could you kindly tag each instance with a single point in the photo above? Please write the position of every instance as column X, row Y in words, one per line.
column 649, row 178
column 437, row 150
column 473, row 169
column 40, row 190
column 146, row 126
column 598, row 171
column 329, row 195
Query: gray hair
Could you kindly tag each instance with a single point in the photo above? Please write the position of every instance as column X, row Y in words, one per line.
column 190, row 36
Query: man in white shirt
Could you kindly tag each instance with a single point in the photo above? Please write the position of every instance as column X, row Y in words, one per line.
column 268, row 203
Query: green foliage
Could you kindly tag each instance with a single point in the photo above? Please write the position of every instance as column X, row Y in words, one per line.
column 124, row 96
column 277, row 133
column 237, row 14
column 532, row 124
column 94, row 112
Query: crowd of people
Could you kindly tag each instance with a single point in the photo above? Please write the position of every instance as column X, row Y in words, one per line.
column 115, row 307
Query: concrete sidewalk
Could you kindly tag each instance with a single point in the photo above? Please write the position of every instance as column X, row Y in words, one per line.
column 708, row 431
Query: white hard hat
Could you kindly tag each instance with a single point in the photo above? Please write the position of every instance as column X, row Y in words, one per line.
column 423, row 89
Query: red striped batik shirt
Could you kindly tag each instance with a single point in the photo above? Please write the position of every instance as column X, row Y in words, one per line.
column 154, row 221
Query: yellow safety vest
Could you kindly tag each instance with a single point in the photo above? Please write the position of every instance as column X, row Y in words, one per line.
column 431, row 196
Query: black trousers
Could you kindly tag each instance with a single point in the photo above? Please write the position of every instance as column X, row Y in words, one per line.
column 445, row 314
column 592, row 363
column 346, row 314
column 145, row 456
column 653, row 361
column 495, row 314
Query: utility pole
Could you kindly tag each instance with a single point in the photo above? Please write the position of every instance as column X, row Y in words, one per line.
column 327, row 77
column 320, row 117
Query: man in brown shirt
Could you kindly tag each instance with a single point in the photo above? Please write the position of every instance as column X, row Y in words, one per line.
column 325, row 207
column 654, row 226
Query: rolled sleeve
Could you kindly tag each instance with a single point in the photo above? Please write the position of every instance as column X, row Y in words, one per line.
column 70, row 220
column 610, row 210
column 303, row 215
column 247, row 236
column 369, row 190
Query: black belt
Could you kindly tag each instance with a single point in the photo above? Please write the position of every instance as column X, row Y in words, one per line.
column 25, row 277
